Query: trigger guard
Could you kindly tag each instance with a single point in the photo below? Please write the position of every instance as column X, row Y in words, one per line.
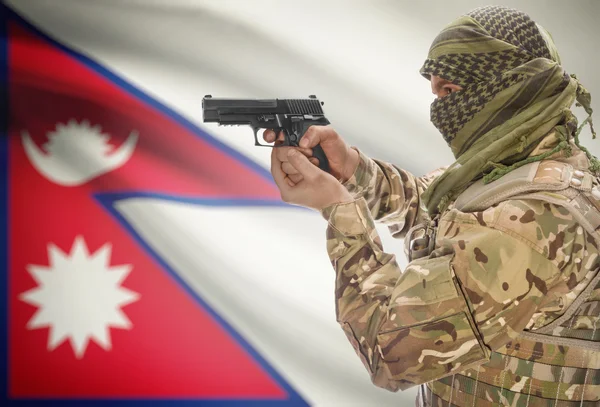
column 258, row 143
column 255, row 130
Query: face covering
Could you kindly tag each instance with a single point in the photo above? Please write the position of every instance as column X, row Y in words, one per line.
column 514, row 93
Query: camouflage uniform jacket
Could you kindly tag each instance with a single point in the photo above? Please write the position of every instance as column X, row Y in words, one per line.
column 451, row 319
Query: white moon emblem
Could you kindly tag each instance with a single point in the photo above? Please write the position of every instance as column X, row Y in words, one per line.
column 77, row 153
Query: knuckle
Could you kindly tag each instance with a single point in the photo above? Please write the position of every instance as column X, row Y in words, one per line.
column 311, row 132
column 282, row 153
column 332, row 133
column 288, row 169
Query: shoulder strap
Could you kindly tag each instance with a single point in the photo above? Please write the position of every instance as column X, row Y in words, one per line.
column 479, row 196
column 551, row 181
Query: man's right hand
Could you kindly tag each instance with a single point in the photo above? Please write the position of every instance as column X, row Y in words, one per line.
column 343, row 160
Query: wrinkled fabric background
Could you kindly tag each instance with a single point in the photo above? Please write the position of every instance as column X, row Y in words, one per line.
column 360, row 57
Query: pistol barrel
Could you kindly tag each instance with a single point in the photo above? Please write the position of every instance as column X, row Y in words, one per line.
column 215, row 109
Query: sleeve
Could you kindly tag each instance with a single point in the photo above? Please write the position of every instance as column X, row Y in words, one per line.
column 392, row 194
column 445, row 312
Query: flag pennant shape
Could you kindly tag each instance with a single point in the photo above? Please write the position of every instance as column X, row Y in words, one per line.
column 93, row 313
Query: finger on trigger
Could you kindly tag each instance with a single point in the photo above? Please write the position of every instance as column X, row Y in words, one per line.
column 269, row 135
column 314, row 160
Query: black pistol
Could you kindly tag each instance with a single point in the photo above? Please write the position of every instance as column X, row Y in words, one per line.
column 292, row 116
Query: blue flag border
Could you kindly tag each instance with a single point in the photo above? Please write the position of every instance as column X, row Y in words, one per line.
column 108, row 200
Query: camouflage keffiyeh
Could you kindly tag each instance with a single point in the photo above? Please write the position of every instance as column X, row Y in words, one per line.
column 514, row 92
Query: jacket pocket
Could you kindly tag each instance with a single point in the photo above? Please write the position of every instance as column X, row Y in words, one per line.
column 429, row 332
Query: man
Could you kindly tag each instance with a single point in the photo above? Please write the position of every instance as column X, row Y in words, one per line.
column 500, row 302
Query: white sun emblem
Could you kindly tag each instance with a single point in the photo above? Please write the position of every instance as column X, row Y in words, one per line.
column 79, row 296
column 77, row 152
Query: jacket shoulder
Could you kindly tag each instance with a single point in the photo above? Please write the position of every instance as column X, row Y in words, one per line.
column 546, row 227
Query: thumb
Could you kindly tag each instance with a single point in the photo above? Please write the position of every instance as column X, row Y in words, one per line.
column 314, row 136
column 302, row 165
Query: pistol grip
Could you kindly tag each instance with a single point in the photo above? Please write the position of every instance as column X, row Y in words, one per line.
column 319, row 154
column 300, row 128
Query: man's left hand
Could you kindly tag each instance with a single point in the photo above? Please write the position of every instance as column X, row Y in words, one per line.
column 316, row 190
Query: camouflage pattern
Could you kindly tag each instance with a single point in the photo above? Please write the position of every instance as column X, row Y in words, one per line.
column 395, row 203
column 453, row 322
column 494, row 314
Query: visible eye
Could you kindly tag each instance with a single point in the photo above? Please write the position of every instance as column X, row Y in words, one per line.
column 444, row 89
